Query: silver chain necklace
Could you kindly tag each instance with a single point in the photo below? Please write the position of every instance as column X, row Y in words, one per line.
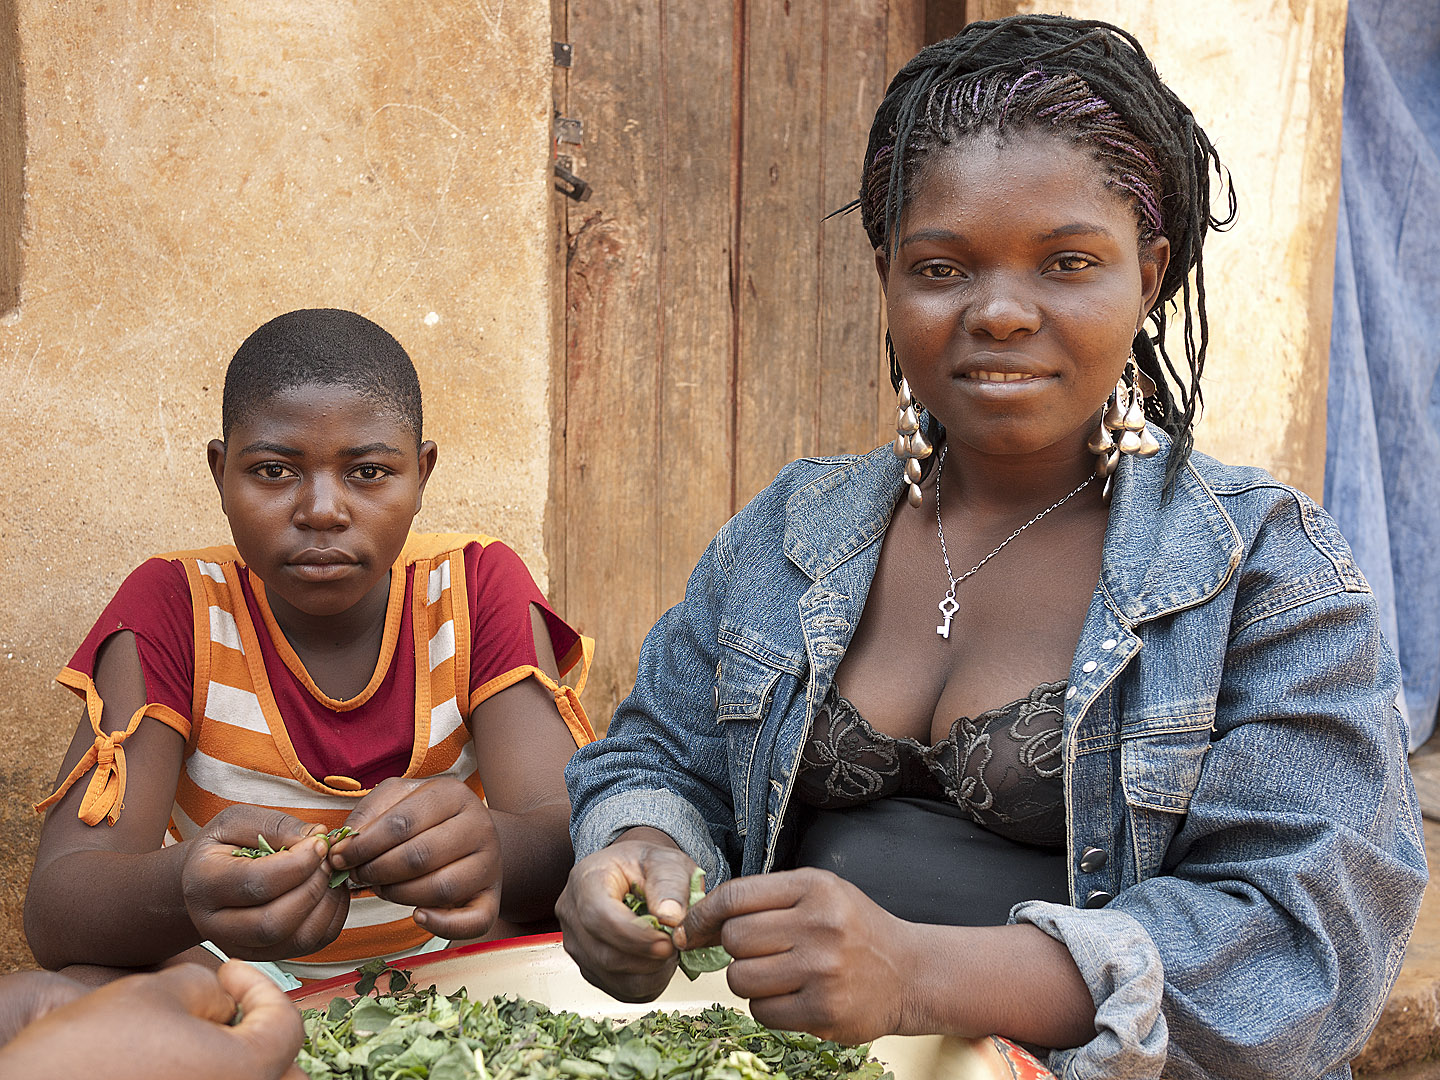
column 948, row 606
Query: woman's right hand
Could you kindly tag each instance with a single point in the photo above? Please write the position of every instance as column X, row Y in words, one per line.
column 617, row 951
column 269, row 908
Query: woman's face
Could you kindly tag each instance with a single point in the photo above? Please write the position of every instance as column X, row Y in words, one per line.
column 1016, row 290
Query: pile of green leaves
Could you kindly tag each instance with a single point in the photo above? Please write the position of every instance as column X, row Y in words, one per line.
column 424, row 1035
column 693, row 962
column 263, row 848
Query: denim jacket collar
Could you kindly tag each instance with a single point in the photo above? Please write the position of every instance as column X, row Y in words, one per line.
column 1154, row 564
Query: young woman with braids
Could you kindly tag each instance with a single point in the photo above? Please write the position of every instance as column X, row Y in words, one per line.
column 1041, row 726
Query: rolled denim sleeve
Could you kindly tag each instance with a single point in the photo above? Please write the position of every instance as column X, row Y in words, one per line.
column 664, row 760
column 1122, row 968
column 1278, row 922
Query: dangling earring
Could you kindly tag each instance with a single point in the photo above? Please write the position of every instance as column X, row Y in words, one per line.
column 1122, row 428
column 910, row 444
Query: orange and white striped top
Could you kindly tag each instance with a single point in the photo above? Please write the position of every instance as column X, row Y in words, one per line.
column 259, row 731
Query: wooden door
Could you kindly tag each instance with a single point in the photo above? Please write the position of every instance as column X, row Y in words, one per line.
column 715, row 325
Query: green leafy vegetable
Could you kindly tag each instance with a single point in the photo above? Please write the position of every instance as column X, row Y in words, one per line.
column 693, row 962
column 263, row 848
column 424, row 1035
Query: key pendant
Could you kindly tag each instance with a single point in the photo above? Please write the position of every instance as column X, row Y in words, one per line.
column 948, row 608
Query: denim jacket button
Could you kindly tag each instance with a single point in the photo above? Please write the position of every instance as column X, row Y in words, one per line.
column 1092, row 859
column 1070, row 693
column 1088, row 666
column 1098, row 899
column 715, row 693
column 1108, row 644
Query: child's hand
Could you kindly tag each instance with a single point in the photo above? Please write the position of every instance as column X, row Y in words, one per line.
column 171, row 1025
column 269, row 908
column 429, row 844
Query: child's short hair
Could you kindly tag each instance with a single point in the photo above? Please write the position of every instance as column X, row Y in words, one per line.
column 324, row 346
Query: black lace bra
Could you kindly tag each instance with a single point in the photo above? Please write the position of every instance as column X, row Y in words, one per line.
column 1002, row 768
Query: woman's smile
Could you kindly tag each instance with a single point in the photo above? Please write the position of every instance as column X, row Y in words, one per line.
column 999, row 376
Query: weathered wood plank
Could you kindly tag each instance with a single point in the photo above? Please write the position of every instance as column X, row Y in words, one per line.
column 777, row 384
column 556, row 501
column 613, row 341
column 695, row 204
column 848, row 310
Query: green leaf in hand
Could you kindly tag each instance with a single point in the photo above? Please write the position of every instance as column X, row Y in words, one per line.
column 693, row 962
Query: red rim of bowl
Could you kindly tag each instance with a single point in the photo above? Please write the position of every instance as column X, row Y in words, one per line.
column 344, row 985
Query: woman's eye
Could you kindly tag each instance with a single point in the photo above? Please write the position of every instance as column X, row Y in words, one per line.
column 939, row 270
column 368, row 472
column 272, row 470
column 1072, row 263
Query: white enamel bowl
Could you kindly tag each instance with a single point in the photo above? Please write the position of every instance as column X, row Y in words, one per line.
column 538, row 968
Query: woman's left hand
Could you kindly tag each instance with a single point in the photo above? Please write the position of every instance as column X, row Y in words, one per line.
column 812, row 952
column 430, row 844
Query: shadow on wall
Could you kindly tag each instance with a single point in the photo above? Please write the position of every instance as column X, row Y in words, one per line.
column 12, row 157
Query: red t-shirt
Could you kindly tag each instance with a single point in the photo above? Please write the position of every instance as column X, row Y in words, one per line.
column 368, row 742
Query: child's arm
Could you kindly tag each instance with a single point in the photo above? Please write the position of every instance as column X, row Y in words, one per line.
column 111, row 895
column 436, row 846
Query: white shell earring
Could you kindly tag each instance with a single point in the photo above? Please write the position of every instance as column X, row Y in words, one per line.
column 910, row 444
column 1122, row 428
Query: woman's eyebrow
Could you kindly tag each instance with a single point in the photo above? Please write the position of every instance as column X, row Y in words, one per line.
column 923, row 236
column 280, row 450
column 1079, row 228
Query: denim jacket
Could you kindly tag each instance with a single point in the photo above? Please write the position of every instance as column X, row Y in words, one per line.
column 1246, row 861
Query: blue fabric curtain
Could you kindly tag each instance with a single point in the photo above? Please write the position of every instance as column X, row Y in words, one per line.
column 1382, row 467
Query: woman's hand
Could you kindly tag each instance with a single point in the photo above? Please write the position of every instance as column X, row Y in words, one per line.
column 431, row 845
column 170, row 1025
column 812, row 953
column 269, row 908
column 617, row 951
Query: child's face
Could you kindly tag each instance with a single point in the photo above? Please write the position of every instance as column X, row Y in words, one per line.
column 320, row 486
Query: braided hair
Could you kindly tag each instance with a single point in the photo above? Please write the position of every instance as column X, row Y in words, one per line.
column 1091, row 82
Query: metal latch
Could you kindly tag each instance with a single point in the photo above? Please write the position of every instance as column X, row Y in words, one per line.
column 568, row 183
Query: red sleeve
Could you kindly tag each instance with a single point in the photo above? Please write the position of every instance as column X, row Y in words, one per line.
column 501, row 639
column 154, row 604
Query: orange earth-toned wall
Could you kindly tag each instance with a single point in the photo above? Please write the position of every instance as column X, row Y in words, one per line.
column 189, row 171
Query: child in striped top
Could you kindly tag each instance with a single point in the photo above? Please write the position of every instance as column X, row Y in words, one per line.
column 329, row 669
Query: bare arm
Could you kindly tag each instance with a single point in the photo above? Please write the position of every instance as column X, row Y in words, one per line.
column 180, row 1023
column 103, row 893
column 522, row 746
column 110, row 895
